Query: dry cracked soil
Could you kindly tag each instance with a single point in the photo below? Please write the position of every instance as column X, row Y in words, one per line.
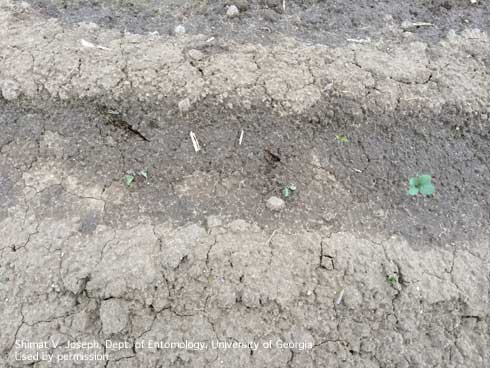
column 124, row 246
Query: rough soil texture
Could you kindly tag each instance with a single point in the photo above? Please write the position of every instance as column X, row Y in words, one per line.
column 352, row 272
column 262, row 20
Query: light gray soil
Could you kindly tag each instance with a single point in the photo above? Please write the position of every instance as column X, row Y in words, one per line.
column 352, row 272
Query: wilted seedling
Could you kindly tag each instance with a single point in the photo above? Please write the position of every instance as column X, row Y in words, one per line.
column 421, row 184
column 131, row 176
column 341, row 138
column 288, row 190
column 392, row 280
column 144, row 173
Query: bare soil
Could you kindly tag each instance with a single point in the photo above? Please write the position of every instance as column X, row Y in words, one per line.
column 353, row 272
column 263, row 20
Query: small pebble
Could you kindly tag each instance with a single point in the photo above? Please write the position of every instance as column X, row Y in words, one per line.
column 24, row 6
column 10, row 89
column 185, row 105
column 180, row 29
column 232, row 11
column 196, row 54
column 275, row 203
column 213, row 221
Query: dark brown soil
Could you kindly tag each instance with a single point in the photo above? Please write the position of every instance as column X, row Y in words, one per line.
column 359, row 186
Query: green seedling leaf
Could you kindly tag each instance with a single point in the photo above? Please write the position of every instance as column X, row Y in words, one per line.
column 341, row 138
column 288, row 190
column 423, row 180
column 128, row 179
column 427, row 189
column 144, row 173
column 421, row 184
column 392, row 280
column 413, row 191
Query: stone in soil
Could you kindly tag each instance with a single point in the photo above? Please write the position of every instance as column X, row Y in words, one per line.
column 232, row 11
column 180, row 29
column 10, row 90
column 196, row 54
column 275, row 203
column 184, row 105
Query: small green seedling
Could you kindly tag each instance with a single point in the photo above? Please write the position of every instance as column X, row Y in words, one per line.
column 392, row 280
column 341, row 138
column 128, row 179
column 288, row 190
column 421, row 184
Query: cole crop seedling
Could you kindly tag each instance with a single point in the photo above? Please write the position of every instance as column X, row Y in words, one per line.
column 421, row 184
column 131, row 175
column 288, row 190
column 392, row 280
column 128, row 179
column 341, row 138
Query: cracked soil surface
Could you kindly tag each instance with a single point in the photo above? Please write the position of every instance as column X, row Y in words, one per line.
column 187, row 266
